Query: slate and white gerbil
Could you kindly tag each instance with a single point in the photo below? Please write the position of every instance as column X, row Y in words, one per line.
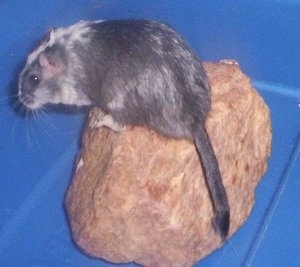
column 138, row 72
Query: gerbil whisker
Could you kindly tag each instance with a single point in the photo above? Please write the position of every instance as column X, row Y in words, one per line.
column 19, row 107
column 38, row 113
column 27, row 128
column 12, row 134
column 12, row 102
column 4, row 98
column 50, row 122
column 15, row 105
column 34, row 116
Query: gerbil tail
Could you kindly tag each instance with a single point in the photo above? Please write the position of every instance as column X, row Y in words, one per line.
column 214, row 181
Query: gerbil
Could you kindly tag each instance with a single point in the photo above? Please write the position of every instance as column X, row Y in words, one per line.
column 138, row 72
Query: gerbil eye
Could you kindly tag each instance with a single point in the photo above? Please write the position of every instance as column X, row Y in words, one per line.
column 34, row 80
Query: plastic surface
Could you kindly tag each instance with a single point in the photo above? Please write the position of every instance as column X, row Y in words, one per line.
column 37, row 153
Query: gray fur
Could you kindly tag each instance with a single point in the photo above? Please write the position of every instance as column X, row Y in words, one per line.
column 138, row 72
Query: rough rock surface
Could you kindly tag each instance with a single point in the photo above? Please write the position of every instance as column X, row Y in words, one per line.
column 138, row 196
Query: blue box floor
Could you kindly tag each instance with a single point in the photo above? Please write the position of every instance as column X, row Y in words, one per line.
column 37, row 153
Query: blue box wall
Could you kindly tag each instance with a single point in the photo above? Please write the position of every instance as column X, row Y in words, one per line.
column 37, row 153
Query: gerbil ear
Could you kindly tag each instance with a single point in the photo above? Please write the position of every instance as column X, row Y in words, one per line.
column 49, row 33
column 50, row 63
column 44, row 62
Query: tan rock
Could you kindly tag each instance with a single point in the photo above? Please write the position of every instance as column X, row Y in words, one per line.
column 138, row 196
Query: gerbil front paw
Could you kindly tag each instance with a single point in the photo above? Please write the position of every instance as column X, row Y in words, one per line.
column 106, row 120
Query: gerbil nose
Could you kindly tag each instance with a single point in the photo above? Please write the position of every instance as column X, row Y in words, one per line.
column 25, row 98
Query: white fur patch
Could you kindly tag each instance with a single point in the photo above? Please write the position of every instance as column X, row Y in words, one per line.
column 66, row 36
column 117, row 103
column 109, row 122
column 70, row 96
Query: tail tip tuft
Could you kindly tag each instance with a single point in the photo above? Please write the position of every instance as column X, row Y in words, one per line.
column 221, row 223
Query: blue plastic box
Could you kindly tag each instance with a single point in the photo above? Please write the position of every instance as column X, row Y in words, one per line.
column 37, row 153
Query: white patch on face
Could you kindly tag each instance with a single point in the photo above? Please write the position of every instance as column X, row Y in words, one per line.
column 40, row 99
column 69, row 96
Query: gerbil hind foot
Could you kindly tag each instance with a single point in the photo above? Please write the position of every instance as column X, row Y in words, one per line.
column 221, row 223
column 105, row 120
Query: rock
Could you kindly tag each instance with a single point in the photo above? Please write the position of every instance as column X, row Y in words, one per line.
column 140, row 197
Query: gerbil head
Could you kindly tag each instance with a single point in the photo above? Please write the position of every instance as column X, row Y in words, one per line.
column 39, row 82
column 47, row 75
